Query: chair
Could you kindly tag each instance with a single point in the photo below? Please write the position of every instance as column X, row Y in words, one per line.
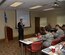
column 62, row 38
column 56, row 41
column 35, row 47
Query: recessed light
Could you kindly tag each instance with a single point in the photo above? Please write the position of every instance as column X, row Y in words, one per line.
column 15, row 4
column 35, row 7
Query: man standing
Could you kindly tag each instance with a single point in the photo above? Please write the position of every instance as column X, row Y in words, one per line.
column 20, row 30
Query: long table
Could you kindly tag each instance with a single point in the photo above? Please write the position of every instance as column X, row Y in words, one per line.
column 48, row 51
column 28, row 41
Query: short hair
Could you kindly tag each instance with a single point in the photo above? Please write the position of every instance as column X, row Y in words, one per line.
column 53, row 30
column 47, row 29
column 21, row 19
column 58, row 26
column 63, row 25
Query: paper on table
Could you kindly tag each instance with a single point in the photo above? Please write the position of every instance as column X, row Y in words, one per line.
column 26, row 42
column 47, row 50
column 50, row 53
column 52, row 47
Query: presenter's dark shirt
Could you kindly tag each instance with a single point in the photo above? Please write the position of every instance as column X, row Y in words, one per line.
column 21, row 31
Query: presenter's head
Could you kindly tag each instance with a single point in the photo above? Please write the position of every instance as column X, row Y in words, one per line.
column 21, row 20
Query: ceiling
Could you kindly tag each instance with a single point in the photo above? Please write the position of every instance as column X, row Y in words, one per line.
column 29, row 3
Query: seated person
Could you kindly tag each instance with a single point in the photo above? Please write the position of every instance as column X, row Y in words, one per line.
column 59, row 32
column 62, row 50
column 53, row 31
column 38, row 35
column 63, row 28
column 42, row 30
column 48, row 26
column 48, row 37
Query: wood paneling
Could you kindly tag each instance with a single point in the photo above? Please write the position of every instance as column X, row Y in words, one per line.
column 37, row 24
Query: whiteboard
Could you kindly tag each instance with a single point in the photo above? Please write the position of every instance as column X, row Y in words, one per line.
column 23, row 14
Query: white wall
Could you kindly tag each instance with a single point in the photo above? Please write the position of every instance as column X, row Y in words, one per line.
column 43, row 21
column 51, row 18
column 2, row 24
column 61, row 20
column 11, row 23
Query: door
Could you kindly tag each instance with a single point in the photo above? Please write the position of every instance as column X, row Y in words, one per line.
column 37, row 24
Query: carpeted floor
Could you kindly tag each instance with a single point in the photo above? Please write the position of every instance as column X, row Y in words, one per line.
column 11, row 48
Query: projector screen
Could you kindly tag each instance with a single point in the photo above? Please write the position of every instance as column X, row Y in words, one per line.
column 23, row 14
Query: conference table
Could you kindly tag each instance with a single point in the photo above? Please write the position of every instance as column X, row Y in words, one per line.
column 27, row 42
column 48, row 51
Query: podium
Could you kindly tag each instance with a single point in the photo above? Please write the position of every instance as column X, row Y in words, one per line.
column 9, row 33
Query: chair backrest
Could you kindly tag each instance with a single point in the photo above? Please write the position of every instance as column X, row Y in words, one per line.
column 36, row 46
column 56, row 41
column 62, row 38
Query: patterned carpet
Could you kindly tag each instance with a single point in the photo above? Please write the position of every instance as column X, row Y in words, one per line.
column 10, row 48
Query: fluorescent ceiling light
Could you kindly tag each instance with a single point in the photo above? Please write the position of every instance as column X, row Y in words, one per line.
column 15, row 4
column 61, row 0
column 35, row 7
column 48, row 9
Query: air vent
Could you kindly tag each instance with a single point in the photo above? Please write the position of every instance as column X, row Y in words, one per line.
column 2, row 1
